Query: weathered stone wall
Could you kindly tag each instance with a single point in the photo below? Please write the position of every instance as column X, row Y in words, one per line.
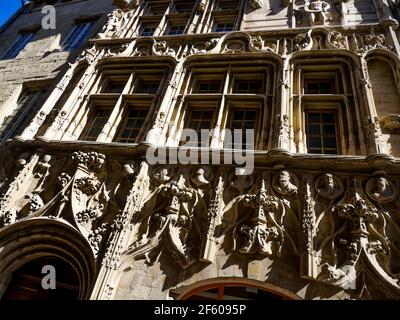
column 43, row 58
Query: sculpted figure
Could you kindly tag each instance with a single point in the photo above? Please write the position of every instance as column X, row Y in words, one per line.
column 284, row 184
column 329, row 187
column 113, row 23
column 317, row 11
column 381, row 189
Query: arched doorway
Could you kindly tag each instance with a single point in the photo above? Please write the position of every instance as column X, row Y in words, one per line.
column 28, row 245
column 26, row 282
column 232, row 291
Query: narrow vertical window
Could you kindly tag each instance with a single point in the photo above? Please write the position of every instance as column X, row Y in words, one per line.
column 18, row 46
column 78, row 34
column 321, row 130
column 96, row 124
column 23, row 112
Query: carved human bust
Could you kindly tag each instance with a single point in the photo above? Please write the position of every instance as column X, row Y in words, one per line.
column 329, row 186
column 283, row 183
column 381, row 189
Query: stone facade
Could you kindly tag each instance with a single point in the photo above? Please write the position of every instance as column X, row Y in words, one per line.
column 313, row 220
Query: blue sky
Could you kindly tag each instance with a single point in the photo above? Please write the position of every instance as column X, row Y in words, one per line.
column 7, row 8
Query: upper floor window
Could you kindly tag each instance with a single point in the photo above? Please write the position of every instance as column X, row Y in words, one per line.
column 321, row 130
column 132, row 124
column 199, row 119
column 115, row 86
column 77, row 35
column 21, row 115
column 183, row 7
column 319, row 86
column 176, row 29
column 18, row 46
column 209, row 86
column 157, row 8
column 150, row 87
column 96, row 123
column 227, row 4
column 248, row 86
column 223, row 26
column 148, row 29
column 242, row 120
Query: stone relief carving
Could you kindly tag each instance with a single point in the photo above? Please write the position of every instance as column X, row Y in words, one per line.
column 329, row 186
column 285, row 183
column 336, row 40
column 176, row 222
column 147, row 47
column 113, row 24
column 381, row 190
column 302, row 41
column 347, row 229
column 317, row 11
column 390, row 124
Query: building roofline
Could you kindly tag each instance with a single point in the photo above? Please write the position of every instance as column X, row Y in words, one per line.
column 11, row 19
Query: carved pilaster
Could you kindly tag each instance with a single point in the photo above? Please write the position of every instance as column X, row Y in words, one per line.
column 214, row 211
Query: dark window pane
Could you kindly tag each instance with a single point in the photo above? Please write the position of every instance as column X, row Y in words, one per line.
column 314, row 129
column 313, row 117
column 328, row 117
column 329, row 129
column 314, row 142
column 96, row 124
column 331, row 151
column 330, row 142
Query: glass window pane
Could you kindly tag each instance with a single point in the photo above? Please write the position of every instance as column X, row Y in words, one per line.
column 330, row 142
column 314, row 142
column 314, row 129
column 328, row 117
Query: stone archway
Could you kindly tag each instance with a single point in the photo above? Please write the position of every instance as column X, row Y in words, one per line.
column 233, row 288
column 25, row 243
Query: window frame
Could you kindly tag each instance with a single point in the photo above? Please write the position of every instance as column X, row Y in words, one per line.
column 80, row 38
column 90, row 119
column 124, row 120
column 187, row 117
column 334, row 108
column 258, row 117
column 15, row 49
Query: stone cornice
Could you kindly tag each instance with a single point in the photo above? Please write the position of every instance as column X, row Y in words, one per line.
column 275, row 158
column 269, row 33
